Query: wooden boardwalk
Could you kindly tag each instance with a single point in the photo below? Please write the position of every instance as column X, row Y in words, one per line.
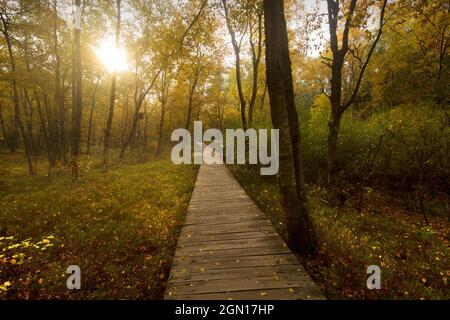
column 228, row 249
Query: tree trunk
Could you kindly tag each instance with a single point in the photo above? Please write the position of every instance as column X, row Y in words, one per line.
column 59, row 91
column 47, row 133
column 77, row 110
column 263, row 98
column 91, row 116
column 134, row 125
column 333, row 166
column 17, row 119
column 237, row 49
column 301, row 234
column 47, row 138
column 52, row 126
column 241, row 94
column 191, row 98
column 9, row 141
column 5, row 134
column 112, row 100
column 28, row 132
column 164, row 93
column 136, row 116
column 124, row 120
column 256, row 58
column 161, row 128
column 145, row 138
column 338, row 107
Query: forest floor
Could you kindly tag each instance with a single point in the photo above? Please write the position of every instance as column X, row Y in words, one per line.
column 120, row 227
column 414, row 258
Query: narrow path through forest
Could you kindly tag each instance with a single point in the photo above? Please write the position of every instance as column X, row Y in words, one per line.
column 228, row 249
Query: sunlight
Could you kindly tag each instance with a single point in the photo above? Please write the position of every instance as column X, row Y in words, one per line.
column 113, row 59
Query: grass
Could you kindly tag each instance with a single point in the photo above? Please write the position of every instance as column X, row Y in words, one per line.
column 120, row 227
column 414, row 258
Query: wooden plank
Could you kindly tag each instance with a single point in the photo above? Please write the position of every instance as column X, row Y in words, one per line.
column 191, row 230
column 188, row 238
column 243, row 284
column 226, row 227
column 232, row 221
column 267, row 294
column 234, row 252
column 202, row 264
column 233, row 243
column 248, row 244
column 183, row 275
column 228, row 249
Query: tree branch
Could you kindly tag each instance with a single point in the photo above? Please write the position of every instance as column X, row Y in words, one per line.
column 348, row 24
column 193, row 22
column 369, row 55
column 333, row 12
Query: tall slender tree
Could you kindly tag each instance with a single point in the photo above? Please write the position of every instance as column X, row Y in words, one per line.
column 59, row 91
column 112, row 99
column 340, row 104
column 19, row 126
column 91, row 117
column 237, row 53
column 77, row 109
column 163, row 98
column 192, row 88
column 256, row 52
column 301, row 233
